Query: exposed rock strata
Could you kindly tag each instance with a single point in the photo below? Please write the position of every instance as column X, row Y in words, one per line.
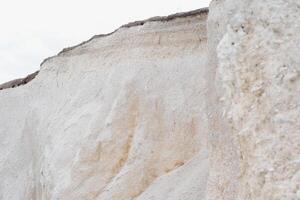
column 114, row 118
column 201, row 11
column 156, row 110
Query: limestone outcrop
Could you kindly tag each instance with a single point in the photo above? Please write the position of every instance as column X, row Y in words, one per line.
column 255, row 73
column 117, row 117
column 192, row 106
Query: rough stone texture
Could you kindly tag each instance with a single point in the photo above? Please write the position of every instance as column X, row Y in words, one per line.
column 158, row 111
column 224, row 161
column 254, row 45
column 119, row 117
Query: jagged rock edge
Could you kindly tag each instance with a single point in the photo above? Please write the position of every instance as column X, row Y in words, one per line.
column 18, row 82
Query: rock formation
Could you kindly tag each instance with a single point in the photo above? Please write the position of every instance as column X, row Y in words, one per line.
column 171, row 108
column 18, row 82
column 117, row 117
column 255, row 141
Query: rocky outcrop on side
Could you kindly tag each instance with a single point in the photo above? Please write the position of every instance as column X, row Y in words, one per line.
column 19, row 82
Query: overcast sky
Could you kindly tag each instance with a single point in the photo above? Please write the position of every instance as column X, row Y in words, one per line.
column 32, row 30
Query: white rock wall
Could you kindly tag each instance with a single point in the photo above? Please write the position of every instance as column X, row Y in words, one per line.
column 224, row 159
column 118, row 118
column 158, row 111
column 256, row 54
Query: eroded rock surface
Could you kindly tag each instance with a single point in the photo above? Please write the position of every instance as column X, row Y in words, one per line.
column 254, row 50
column 115, row 118
column 171, row 108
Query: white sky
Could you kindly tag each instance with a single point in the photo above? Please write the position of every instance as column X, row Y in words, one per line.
column 31, row 30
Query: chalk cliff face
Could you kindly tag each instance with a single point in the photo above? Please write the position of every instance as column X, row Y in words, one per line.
column 173, row 108
column 118, row 117
column 255, row 73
